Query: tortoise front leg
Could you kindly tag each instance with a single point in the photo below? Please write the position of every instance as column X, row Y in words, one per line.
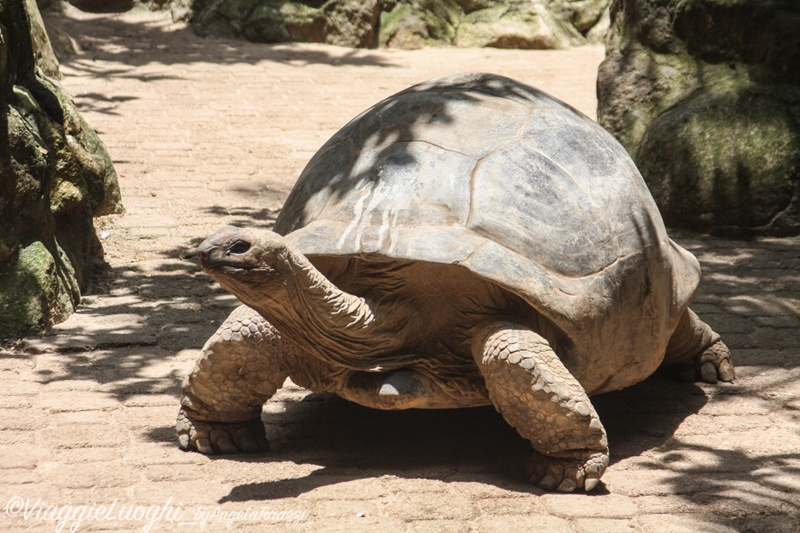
column 538, row 396
column 239, row 369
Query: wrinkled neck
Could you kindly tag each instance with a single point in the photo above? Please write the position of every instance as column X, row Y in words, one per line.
column 335, row 326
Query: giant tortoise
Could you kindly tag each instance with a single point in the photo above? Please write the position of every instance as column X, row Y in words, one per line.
column 468, row 241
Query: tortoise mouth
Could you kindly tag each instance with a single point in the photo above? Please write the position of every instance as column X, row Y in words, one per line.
column 225, row 268
column 232, row 268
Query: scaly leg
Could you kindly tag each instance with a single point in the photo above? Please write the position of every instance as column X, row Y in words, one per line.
column 538, row 396
column 700, row 350
column 240, row 368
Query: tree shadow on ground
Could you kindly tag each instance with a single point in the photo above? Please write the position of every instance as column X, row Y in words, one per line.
column 243, row 216
column 148, row 312
column 352, row 442
column 136, row 42
column 100, row 103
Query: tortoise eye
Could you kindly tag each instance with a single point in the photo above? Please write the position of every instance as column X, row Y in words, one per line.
column 239, row 247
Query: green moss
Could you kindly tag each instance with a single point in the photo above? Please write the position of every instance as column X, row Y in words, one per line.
column 524, row 26
column 90, row 167
column 391, row 20
column 68, row 190
column 54, row 173
column 443, row 18
column 276, row 21
column 34, row 292
column 725, row 157
column 417, row 23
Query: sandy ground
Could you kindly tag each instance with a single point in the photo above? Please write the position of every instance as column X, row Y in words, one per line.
column 208, row 132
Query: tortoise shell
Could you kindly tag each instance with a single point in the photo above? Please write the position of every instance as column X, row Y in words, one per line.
column 484, row 172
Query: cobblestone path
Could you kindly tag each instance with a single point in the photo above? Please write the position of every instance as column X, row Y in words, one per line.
column 210, row 132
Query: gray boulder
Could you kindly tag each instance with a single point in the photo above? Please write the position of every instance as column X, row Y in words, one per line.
column 407, row 24
column 705, row 95
column 517, row 25
column 339, row 22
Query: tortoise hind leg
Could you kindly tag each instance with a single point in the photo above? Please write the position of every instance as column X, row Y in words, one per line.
column 536, row 394
column 699, row 349
column 239, row 369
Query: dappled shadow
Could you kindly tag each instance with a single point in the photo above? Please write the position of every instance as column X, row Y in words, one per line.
column 138, row 316
column 750, row 294
column 349, row 442
column 100, row 103
column 244, row 216
column 135, row 42
column 352, row 442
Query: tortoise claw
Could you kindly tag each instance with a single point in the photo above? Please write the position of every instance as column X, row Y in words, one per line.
column 714, row 364
column 568, row 474
column 213, row 438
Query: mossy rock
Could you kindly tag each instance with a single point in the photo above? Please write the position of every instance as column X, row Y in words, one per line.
column 705, row 95
column 339, row 22
column 529, row 26
column 405, row 24
column 418, row 23
column 55, row 175
column 725, row 158
column 36, row 290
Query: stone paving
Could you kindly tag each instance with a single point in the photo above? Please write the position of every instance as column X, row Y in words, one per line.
column 211, row 132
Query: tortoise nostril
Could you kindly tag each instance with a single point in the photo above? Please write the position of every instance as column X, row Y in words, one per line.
column 239, row 247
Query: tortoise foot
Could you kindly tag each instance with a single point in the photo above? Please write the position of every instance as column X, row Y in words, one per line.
column 213, row 438
column 711, row 365
column 567, row 474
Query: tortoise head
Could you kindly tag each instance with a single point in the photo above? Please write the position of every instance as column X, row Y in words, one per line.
column 266, row 273
column 246, row 262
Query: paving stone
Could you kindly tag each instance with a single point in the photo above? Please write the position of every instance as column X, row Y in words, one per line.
column 712, row 425
column 87, row 455
column 27, row 419
column 489, row 524
column 443, row 526
column 757, row 306
column 348, row 509
column 77, row 401
column 348, row 525
column 69, row 418
column 84, row 436
column 687, row 523
column 510, row 506
column 86, row 475
column 423, row 506
column 777, row 523
column 778, row 322
column 668, row 504
column 15, row 457
column 578, row 505
column 16, row 387
column 19, row 476
column 604, row 525
column 17, row 437
column 15, row 402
